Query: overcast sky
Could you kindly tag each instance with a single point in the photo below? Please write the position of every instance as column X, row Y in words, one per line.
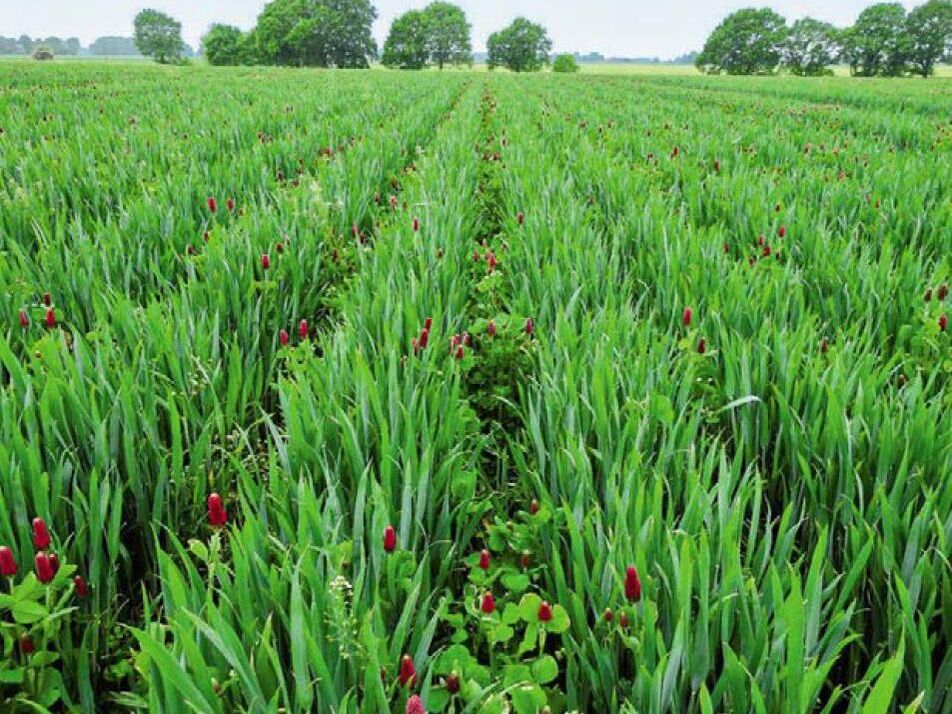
column 630, row 28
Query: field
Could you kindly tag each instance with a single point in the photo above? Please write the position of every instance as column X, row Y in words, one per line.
column 595, row 393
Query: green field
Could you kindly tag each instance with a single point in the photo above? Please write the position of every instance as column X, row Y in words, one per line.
column 683, row 407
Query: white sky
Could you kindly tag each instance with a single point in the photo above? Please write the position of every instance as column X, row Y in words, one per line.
column 642, row 28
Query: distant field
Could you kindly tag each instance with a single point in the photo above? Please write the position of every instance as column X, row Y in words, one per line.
column 622, row 392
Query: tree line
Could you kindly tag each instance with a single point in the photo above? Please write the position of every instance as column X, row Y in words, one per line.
column 885, row 41
column 338, row 33
column 25, row 45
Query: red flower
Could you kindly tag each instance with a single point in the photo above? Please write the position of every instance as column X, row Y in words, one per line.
column 484, row 559
column 279, row 247
column 54, row 563
column 50, row 318
column 415, row 706
column 26, row 645
column 44, row 568
column 524, row 559
column 389, row 539
column 428, row 323
column 230, row 203
column 212, row 205
column 520, row 218
column 302, row 329
column 407, row 671
column 416, row 224
column 476, row 256
column 545, row 612
column 459, row 352
column 530, row 326
column 284, row 338
column 781, row 232
column 8, row 564
column 80, row 585
column 492, row 329
column 534, row 507
column 424, row 338
column 943, row 291
column 489, row 603
column 623, row 620
column 217, row 516
column 726, row 248
column 265, row 261
column 41, row 536
column 608, row 615
column 632, row 584
column 824, row 346
column 701, row 346
column 47, row 299
column 943, row 322
column 687, row 316
column 452, row 683
column 190, row 249
column 674, row 152
column 492, row 262
column 24, row 319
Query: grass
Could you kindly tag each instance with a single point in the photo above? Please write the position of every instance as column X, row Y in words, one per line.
column 655, row 359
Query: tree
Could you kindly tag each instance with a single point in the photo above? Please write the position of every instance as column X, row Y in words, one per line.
column 323, row 33
column 158, row 36
column 114, row 46
column 522, row 47
column 565, row 63
column 73, row 46
column 929, row 28
column 447, row 34
column 26, row 44
column 878, row 44
column 746, row 42
column 811, row 47
column 222, row 45
column 406, row 45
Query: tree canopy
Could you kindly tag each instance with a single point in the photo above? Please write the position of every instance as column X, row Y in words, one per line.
column 447, row 34
column 878, row 45
column 746, row 42
column 159, row 36
column 811, row 46
column 523, row 46
column 222, row 45
column 929, row 28
column 406, row 45
column 319, row 33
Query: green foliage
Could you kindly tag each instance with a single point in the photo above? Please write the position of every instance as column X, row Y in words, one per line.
column 777, row 470
column 746, row 42
column 316, row 33
column 565, row 63
column 158, row 36
column 929, row 27
column 406, row 45
column 32, row 617
column 878, row 44
column 810, row 47
column 523, row 46
column 222, row 45
column 447, row 34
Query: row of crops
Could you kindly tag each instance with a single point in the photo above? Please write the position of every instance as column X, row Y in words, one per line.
column 383, row 393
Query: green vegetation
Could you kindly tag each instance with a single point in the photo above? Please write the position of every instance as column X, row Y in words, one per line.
column 159, row 36
column 437, row 35
column 565, row 63
column 396, row 392
column 884, row 42
column 523, row 46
